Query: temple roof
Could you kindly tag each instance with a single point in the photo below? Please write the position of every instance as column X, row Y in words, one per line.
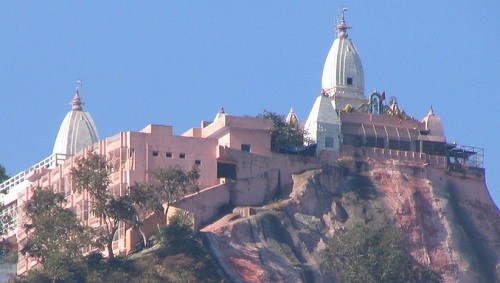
column 322, row 112
column 77, row 130
column 343, row 72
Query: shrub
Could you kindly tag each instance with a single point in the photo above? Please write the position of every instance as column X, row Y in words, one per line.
column 366, row 253
column 183, row 253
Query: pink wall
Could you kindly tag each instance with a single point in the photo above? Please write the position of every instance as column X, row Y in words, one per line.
column 206, row 204
column 259, row 141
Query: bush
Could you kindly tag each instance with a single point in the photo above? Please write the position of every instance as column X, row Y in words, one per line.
column 283, row 135
column 366, row 253
column 178, row 237
column 183, row 253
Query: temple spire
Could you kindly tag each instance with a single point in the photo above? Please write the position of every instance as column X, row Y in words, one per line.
column 291, row 118
column 77, row 101
column 431, row 111
column 342, row 26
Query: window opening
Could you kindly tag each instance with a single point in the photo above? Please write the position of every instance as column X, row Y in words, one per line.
column 328, row 142
column 246, row 148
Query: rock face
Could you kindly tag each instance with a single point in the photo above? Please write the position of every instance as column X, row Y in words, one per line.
column 450, row 224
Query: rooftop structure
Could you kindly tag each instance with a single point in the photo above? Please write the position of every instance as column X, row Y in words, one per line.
column 343, row 77
column 342, row 85
column 77, row 130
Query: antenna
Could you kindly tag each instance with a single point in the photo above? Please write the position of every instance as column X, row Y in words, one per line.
column 78, row 85
column 342, row 27
column 344, row 9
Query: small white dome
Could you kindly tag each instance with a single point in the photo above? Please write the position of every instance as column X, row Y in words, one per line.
column 291, row 118
column 435, row 127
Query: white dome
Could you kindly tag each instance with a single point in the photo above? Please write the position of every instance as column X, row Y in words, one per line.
column 435, row 127
column 77, row 130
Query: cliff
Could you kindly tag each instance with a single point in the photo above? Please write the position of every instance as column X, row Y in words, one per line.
column 449, row 222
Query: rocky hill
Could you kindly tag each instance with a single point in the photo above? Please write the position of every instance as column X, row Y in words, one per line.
column 449, row 222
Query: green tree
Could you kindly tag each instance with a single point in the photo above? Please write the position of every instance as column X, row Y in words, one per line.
column 183, row 252
column 55, row 236
column 170, row 185
column 143, row 197
column 5, row 246
column 284, row 135
column 5, row 218
column 3, row 174
column 92, row 175
column 178, row 236
column 366, row 253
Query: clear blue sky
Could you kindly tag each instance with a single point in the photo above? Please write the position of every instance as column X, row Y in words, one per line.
column 178, row 62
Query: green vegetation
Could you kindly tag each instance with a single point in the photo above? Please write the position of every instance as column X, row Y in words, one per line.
column 3, row 174
column 5, row 219
column 4, row 245
column 283, row 135
column 55, row 237
column 92, row 175
column 181, row 257
column 366, row 253
column 183, row 251
column 470, row 241
column 170, row 186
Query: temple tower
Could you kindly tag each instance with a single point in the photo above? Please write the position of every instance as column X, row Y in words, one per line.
column 342, row 84
column 77, row 130
column 343, row 79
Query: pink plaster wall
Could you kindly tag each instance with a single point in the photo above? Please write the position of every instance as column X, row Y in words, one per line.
column 259, row 140
column 205, row 204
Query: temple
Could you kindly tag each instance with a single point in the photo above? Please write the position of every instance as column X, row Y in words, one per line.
column 343, row 118
column 233, row 153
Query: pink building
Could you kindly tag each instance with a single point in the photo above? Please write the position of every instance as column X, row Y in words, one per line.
column 229, row 148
